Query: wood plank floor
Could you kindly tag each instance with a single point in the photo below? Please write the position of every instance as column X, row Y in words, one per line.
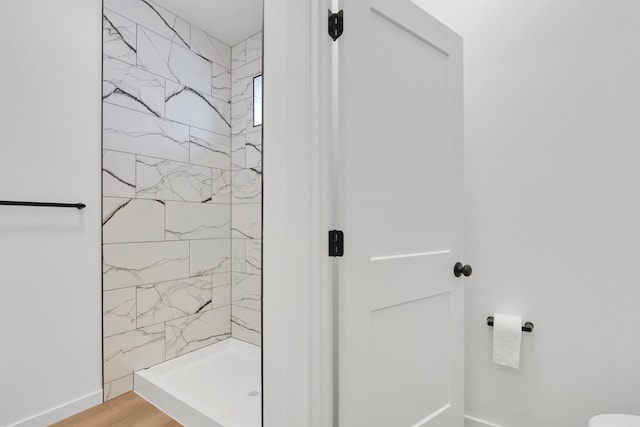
column 128, row 410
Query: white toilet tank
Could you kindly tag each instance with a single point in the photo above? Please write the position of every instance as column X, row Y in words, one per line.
column 615, row 420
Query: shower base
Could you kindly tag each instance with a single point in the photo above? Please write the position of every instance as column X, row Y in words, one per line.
column 215, row 386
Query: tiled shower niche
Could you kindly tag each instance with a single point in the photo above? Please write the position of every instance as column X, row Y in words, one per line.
column 182, row 189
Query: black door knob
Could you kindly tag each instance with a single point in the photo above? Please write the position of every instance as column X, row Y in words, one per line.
column 459, row 269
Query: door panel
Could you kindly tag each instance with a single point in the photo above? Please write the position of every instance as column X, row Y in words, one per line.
column 409, row 162
column 400, row 148
column 411, row 379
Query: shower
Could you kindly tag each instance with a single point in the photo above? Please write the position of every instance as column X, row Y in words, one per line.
column 182, row 203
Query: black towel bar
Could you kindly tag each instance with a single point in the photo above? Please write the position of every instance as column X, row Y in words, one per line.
column 528, row 326
column 44, row 204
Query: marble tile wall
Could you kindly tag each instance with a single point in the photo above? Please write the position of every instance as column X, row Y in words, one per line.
column 246, row 194
column 169, row 185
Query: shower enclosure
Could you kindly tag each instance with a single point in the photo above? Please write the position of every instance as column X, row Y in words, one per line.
column 182, row 205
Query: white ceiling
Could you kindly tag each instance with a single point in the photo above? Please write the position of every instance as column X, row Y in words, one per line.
column 228, row 20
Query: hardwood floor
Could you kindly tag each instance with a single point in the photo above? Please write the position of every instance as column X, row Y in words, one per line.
column 128, row 410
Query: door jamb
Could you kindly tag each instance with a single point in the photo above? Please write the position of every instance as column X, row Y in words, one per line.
column 297, row 274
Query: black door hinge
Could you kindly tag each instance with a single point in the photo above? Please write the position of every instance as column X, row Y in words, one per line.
column 336, row 24
column 336, row 243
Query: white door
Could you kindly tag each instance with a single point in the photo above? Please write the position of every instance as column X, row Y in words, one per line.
column 401, row 348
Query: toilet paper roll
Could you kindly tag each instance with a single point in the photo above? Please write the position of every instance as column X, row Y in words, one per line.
column 507, row 336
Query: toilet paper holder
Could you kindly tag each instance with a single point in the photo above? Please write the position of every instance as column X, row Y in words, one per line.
column 528, row 326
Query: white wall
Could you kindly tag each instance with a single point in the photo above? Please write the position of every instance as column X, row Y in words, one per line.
column 50, row 305
column 285, row 140
column 552, row 204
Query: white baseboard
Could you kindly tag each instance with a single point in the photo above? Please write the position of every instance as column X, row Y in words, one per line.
column 63, row 411
column 470, row 421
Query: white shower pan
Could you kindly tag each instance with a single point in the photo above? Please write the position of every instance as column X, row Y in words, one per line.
column 216, row 386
